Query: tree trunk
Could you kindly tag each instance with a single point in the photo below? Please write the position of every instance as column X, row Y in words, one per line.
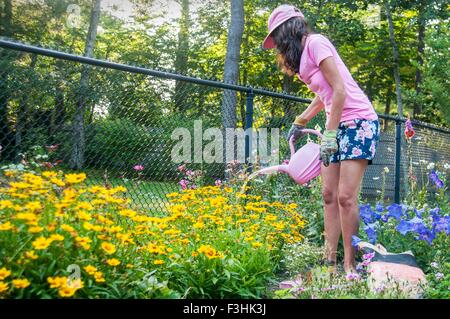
column 78, row 147
column 387, row 109
column 22, row 111
column 231, row 71
column 6, row 135
column 420, row 51
column 395, row 58
column 182, row 54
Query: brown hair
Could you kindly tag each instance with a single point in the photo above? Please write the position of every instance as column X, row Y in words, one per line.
column 288, row 40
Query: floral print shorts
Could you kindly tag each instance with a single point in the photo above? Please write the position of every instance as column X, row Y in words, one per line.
column 357, row 139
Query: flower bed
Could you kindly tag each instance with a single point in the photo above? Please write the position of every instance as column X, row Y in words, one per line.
column 61, row 238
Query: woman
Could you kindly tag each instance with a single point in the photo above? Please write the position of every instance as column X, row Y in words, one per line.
column 352, row 128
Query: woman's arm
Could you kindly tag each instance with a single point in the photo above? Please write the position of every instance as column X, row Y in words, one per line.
column 315, row 107
column 334, row 79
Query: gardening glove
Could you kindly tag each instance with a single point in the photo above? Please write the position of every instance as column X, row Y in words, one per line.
column 328, row 146
column 297, row 129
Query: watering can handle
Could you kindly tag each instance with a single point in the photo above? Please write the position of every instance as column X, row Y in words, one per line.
column 307, row 131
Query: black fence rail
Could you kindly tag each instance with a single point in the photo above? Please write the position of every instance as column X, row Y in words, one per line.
column 115, row 121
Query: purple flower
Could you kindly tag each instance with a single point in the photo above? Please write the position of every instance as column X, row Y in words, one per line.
column 355, row 241
column 371, row 233
column 189, row 173
column 404, row 227
column 379, row 208
column 434, row 177
column 218, row 182
column 352, row 276
column 395, row 210
column 184, row 184
column 439, row 276
column 442, row 225
column 427, row 235
column 366, row 213
column 434, row 264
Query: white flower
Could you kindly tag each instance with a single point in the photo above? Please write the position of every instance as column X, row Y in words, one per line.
column 446, row 166
column 386, row 169
column 431, row 165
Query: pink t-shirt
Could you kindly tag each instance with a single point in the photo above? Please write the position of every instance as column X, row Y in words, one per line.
column 357, row 104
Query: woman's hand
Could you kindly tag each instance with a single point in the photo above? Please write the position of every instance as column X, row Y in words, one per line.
column 328, row 146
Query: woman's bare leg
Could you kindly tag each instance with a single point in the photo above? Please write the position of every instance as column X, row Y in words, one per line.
column 351, row 174
column 330, row 181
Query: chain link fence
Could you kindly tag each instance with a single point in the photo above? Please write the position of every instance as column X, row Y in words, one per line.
column 115, row 122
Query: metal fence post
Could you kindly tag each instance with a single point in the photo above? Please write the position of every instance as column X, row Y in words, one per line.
column 248, row 128
column 398, row 150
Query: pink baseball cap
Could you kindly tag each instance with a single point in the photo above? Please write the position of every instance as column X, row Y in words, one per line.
column 278, row 16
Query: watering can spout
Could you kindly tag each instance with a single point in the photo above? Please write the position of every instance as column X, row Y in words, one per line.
column 272, row 169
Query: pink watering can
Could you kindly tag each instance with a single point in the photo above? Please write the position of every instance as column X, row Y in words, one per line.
column 304, row 164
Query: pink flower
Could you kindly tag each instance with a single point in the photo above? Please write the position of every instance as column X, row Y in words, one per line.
column 189, row 173
column 218, row 182
column 181, row 168
column 352, row 276
column 356, row 152
column 138, row 168
column 368, row 133
column 409, row 129
column 368, row 256
column 184, row 184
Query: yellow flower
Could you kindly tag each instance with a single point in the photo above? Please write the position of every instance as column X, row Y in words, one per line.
column 66, row 292
column 75, row 284
column 91, row 270
column 83, row 240
column 4, row 273
column 84, row 215
column 199, row 225
column 75, row 178
column 130, row 266
column 56, row 237
column 6, row 204
column 209, row 252
column 41, row 243
column 31, row 255
column 35, row 229
column 108, row 248
column 57, row 182
column 56, row 282
column 33, row 206
column 49, row 174
column 98, row 276
column 127, row 213
column 85, row 206
column 21, row 283
column 6, row 226
column 113, row 262
column 3, row 287
column 256, row 244
column 9, row 173
column 67, row 228
column 158, row 262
